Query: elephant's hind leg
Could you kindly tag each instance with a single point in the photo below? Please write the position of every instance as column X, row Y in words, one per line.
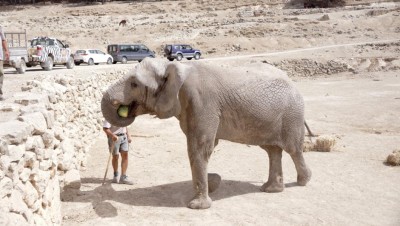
column 303, row 172
column 275, row 178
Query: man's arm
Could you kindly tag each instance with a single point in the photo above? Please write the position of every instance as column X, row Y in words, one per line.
column 127, row 135
column 5, row 47
column 110, row 134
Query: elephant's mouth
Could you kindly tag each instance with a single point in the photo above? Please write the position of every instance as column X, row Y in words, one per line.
column 127, row 111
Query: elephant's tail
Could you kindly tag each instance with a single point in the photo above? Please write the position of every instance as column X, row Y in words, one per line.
column 308, row 129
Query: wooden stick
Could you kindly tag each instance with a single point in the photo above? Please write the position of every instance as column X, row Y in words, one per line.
column 109, row 159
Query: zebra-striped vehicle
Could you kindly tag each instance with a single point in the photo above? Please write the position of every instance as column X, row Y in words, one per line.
column 47, row 52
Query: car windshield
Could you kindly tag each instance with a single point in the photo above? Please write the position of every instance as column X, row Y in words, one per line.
column 42, row 41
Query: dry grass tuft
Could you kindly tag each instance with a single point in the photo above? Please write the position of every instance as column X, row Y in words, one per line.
column 394, row 158
column 321, row 144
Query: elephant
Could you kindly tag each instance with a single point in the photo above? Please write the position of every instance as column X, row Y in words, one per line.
column 248, row 105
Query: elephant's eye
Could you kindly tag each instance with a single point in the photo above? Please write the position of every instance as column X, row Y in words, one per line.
column 134, row 85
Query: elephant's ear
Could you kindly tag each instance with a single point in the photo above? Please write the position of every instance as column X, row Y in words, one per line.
column 167, row 103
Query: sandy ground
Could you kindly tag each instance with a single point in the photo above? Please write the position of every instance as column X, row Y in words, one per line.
column 360, row 107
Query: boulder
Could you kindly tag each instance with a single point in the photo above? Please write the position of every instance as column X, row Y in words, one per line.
column 15, row 131
column 35, row 119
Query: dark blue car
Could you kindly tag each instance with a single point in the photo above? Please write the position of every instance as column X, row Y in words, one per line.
column 128, row 52
column 180, row 51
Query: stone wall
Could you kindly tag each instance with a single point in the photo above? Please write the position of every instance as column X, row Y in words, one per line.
column 43, row 149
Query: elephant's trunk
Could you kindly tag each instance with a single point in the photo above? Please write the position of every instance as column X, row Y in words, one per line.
column 110, row 112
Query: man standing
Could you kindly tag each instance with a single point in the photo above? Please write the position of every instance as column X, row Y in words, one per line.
column 2, row 58
column 118, row 139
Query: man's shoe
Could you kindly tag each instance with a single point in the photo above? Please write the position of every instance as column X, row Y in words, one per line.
column 115, row 180
column 124, row 180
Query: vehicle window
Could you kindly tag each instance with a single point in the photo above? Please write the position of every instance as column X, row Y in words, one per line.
column 42, row 41
column 112, row 49
column 60, row 44
column 100, row 52
column 80, row 51
column 125, row 48
column 144, row 48
column 188, row 47
column 92, row 51
column 134, row 48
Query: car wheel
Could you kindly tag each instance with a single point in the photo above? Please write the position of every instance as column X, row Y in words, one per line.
column 110, row 61
column 179, row 57
column 70, row 63
column 90, row 62
column 22, row 68
column 197, row 56
column 49, row 64
column 124, row 60
column 171, row 59
column 189, row 58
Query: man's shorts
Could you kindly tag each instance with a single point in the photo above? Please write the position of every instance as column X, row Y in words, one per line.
column 120, row 145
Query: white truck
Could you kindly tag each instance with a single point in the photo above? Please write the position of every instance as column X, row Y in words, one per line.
column 47, row 52
column 17, row 45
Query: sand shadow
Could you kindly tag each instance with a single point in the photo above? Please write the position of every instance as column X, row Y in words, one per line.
column 167, row 195
column 175, row 195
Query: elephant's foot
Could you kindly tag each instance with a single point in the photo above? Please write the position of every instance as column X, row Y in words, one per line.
column 302, row 180
column 200, row 203
column 213, row 182
column 272, row 187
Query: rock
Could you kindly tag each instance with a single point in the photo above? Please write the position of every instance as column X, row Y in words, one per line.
column 67, row 161
column 40, row 180
column 37, row 120
column 34, row 143
column 13, row 219
column 16, row 152
column 49, row 116
column 15, row 131
column 10, row 107
column 324, row 17
column 31, row 195
column 30, row 159
column 25, row 174
column 32, row 108
column 17, row 203
column 5, row 162
column 3, row 147
column 26, row 98
column 6, row 187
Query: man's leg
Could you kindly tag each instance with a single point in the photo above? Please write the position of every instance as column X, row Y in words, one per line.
column 124, row 162
column 1, row 79
column 115, row 168
column 114, row 146
column 124, row 166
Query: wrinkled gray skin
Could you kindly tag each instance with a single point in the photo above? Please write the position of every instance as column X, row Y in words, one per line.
column 248, row 106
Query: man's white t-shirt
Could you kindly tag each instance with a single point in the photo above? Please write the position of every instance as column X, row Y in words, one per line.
column 114, row 129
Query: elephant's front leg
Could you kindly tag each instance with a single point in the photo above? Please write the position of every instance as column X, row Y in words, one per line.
column 199, row 153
